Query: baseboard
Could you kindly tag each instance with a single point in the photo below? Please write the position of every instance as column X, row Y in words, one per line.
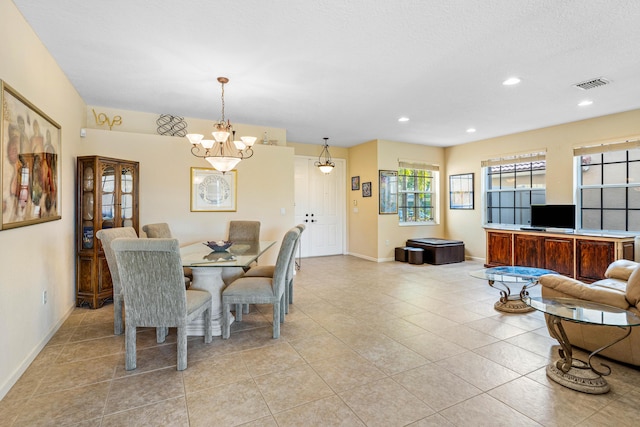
column 15, row 376
column 368, row 258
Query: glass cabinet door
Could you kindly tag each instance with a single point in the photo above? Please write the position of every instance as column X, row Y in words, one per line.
column 126, row 197
column 88, row 204
column 107, row 181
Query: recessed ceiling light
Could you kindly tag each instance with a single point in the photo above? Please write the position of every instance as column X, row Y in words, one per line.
column 585, row 103
column 403, row 119
column 471, row 130
column 511, row 81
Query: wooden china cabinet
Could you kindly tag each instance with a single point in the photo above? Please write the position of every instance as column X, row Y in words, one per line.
column 107, row 197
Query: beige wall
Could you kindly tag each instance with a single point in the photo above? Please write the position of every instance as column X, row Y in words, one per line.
column 165, row 166
column 38, row 257
column 559, row 142
column 146, row 123
column 362, row 212
column 390, row 233
column 373, row 236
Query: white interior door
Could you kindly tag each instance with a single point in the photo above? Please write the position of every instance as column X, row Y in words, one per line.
column 319, row 203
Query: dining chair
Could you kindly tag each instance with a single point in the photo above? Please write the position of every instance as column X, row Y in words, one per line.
column 267, row 271
column 244, row 231
column 153, row 286
column 261, row 290
column 161, row 230
column 106, row 236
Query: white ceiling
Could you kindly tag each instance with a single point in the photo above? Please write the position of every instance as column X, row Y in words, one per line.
column 348, row 69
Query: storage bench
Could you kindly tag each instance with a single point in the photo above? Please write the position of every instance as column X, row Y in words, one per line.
column 439, row 251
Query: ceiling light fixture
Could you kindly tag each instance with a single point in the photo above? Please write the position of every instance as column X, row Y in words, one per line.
column 326, row 165
column 222, row 152
column 403, row 119
column 585, row 103
column 511, row 81
column 471, row 130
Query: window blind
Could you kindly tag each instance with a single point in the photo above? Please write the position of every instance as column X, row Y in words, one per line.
column 412, row 164
column 520, row 158
column 606, row 148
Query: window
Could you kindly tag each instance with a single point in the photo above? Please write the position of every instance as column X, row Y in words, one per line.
column 609, row 187
column 512, row 185
column 417, row 193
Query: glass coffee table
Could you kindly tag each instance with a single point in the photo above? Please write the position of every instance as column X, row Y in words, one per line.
column 568, row 371
column 503, row 278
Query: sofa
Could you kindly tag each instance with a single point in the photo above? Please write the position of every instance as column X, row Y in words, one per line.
column 620, row 288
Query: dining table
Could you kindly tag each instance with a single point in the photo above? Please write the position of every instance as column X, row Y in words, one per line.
column 213, row 271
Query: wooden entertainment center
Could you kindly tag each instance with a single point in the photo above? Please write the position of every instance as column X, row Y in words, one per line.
column 582, row 256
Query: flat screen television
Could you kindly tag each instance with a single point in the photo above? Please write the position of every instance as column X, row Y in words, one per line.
column 553, row 216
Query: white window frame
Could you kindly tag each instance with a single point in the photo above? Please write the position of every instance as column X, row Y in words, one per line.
column 435, row 191
column 631, row 183
column 527, row 158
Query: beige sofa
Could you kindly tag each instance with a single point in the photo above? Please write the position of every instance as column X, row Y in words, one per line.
column 620, row 288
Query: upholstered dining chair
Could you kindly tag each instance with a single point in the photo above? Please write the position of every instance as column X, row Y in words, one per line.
column 153, row 286
column 161, row 230
column 261, row 290
column 267, row 271
column 106, row 236
column 244, row 231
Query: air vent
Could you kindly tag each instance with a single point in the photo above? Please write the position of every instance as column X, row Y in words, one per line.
column 590, row 84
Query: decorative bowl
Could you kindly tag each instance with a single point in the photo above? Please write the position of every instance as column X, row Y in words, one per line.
column 219, row 246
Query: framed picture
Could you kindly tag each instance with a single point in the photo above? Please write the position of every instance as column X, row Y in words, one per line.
column 366, row 189
column 30, row 162
column 388, row 192
column 461, row 191
column 355, row 183
column 213, row 191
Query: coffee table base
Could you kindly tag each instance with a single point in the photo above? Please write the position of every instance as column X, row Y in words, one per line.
column 514, row 305
column 579, row 377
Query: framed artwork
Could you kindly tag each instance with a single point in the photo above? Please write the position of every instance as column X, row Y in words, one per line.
column 213, row 191
column 355, row 183
column 31, row 170
column 366, row 189
column 461, row 191
column 388, row 192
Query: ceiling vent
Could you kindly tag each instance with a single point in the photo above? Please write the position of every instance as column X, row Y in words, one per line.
column 590, row 84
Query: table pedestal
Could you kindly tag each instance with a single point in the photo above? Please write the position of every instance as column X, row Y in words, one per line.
column 211, row 279
column 574, row 373
column 511, row 303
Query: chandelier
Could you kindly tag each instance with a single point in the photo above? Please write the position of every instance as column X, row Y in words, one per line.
column 222, row 152
column 325, row 165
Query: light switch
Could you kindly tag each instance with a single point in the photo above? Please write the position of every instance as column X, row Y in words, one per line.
column 283, row 211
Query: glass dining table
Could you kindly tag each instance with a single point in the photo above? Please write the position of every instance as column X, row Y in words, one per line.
column 212, row 271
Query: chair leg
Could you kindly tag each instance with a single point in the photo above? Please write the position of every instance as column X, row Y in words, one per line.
column 182, row 348
column 276, row 320
column 283, row 305
column 161, row 333
column 208, row 329
column 285, row 295
column 245, row 308
column 291, row 292
column 239, row 312
column 130, row 347
column 118, row 324
column 226, row 321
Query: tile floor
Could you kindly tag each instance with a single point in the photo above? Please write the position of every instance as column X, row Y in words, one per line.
column 375, row 344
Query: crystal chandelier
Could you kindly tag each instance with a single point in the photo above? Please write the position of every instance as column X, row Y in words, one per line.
column 222, row 152
column 325, row 165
